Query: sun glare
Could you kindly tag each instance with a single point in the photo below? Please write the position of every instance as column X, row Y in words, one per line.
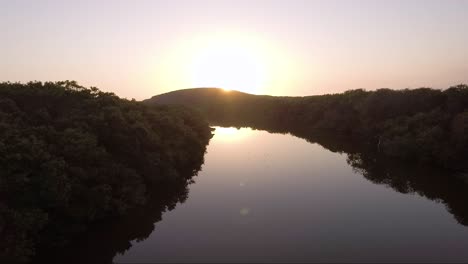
column 231, row 63
column 231, row 134
column 228, row 60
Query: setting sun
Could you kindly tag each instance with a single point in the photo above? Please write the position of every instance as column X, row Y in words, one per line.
column 231, row 63
column 229, row 60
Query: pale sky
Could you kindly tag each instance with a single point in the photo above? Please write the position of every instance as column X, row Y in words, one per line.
column 138, row 49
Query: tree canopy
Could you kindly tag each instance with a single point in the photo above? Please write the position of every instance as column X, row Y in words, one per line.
column 71, row 155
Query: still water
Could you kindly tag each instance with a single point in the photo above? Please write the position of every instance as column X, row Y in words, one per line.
column 264, row 197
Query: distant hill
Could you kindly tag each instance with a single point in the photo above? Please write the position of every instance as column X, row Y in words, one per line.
column 424, row 125
column 198, row 96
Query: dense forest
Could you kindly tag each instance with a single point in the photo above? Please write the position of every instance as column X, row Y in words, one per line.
column 72, row 156
column 421, row 125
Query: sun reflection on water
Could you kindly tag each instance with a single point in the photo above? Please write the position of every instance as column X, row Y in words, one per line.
column 231, row 133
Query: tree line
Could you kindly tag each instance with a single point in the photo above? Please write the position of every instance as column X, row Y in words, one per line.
column 422, row 125
column 71, row 156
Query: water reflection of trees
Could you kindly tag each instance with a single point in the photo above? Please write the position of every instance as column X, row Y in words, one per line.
column 447, row 187
column 432, row 183
column 107, row 239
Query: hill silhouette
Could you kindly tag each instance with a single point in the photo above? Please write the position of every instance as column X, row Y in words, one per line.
column 423, row 125
column 201, row 96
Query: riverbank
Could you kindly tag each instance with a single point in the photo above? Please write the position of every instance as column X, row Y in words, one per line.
column 71, row 156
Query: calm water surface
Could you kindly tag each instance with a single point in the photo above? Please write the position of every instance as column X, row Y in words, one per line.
column 266, row 197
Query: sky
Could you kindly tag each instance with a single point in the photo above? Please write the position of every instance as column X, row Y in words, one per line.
column 138, row 49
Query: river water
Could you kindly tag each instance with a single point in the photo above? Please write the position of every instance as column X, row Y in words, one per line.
column 264, row 197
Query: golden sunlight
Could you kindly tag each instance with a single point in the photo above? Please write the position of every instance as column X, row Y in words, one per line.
column 229, row 60
column 231, row 63
column 231, row 133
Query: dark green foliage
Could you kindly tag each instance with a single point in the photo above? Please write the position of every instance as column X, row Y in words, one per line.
column 71, row 155
column 426, row 125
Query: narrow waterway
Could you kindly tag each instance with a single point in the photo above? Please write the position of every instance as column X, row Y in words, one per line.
column 264, row 197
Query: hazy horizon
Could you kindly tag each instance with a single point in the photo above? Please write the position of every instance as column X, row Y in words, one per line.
column 143, row 48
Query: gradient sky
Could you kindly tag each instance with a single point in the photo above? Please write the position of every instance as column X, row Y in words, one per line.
column 301, row 47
